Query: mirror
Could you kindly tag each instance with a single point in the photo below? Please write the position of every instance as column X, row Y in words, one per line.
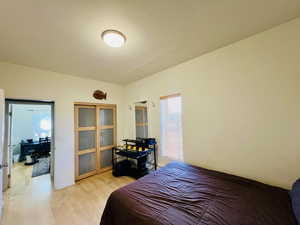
column 141, row 119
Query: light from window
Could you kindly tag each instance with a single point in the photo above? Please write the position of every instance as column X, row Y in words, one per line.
column 171, row 127
column 45, row 124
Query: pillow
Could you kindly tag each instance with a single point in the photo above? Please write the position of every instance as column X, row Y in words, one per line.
column 295, row 196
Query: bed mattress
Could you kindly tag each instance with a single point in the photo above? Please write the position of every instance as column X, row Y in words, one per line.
column 181, row 194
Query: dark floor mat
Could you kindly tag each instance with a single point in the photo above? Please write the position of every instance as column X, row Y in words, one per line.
column 42, row 167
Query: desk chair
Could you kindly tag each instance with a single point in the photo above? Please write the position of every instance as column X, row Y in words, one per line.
column 32, row 153
column 44, row 147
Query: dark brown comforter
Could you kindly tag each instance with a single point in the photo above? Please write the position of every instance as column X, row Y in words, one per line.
column 181, row 194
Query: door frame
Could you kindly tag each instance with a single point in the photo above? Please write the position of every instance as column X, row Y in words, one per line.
column 2, row 124
column 8, row 102
column 98, row 148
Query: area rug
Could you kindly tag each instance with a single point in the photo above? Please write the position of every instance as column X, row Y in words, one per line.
column 42, row 167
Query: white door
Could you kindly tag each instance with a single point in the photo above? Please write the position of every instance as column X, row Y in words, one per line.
column 1, row 145
column 7, row 153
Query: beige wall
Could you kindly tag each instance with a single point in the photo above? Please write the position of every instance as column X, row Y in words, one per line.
column 29, row 83
column 241, row 106
column 1, row 145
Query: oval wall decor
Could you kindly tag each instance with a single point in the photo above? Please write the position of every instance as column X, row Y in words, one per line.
column 99, row 95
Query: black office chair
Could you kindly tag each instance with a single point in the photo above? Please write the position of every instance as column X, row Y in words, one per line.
column 44, row 147
column 33, row 154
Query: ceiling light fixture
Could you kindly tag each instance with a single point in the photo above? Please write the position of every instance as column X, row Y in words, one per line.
column 113, row 38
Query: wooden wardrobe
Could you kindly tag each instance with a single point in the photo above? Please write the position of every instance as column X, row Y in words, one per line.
column 95, row 136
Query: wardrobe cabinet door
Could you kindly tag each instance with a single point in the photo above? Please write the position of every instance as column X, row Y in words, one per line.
column 87, row 117
column 107, row 135
column 85, row 141
column 87, row 163
column 105, row 158
column 95, row 136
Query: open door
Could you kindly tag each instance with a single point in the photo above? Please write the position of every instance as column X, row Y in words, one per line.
column 1, row 146
column 7, row 148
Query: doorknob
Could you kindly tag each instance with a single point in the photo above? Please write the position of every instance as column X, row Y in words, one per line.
column 3, row 165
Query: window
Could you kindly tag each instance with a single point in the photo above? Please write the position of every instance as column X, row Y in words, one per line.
column 171, row 127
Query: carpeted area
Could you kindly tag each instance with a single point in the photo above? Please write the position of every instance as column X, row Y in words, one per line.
column 42, row 167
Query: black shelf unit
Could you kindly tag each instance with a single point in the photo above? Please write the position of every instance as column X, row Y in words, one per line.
column 141, row 150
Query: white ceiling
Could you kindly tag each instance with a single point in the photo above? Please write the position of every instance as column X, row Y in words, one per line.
column 64, row 35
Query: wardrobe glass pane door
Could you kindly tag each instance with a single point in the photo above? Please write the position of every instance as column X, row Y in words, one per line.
column 106, row 135
column 87, row 140
column 86, row 117
column 95, row 136
column 105, row 158
column 86, row 147
column 87, row 163
column 106, row 117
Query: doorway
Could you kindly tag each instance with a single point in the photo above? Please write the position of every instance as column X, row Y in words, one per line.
column 28, row 144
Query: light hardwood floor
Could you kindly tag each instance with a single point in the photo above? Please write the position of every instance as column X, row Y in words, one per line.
column 21, row 178
column 35, row 202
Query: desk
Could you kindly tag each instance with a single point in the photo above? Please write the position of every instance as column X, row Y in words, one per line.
column 143, row 165
column 26, row 148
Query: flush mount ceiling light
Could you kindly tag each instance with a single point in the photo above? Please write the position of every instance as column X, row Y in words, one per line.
column 113, row 38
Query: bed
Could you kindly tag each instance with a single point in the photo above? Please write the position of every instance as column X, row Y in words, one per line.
column 181, row 194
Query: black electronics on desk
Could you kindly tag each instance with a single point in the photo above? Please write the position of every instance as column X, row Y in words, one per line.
column 40, row 148
column 135, row 158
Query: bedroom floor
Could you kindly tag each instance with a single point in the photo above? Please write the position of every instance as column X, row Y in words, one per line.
column 80, row 204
